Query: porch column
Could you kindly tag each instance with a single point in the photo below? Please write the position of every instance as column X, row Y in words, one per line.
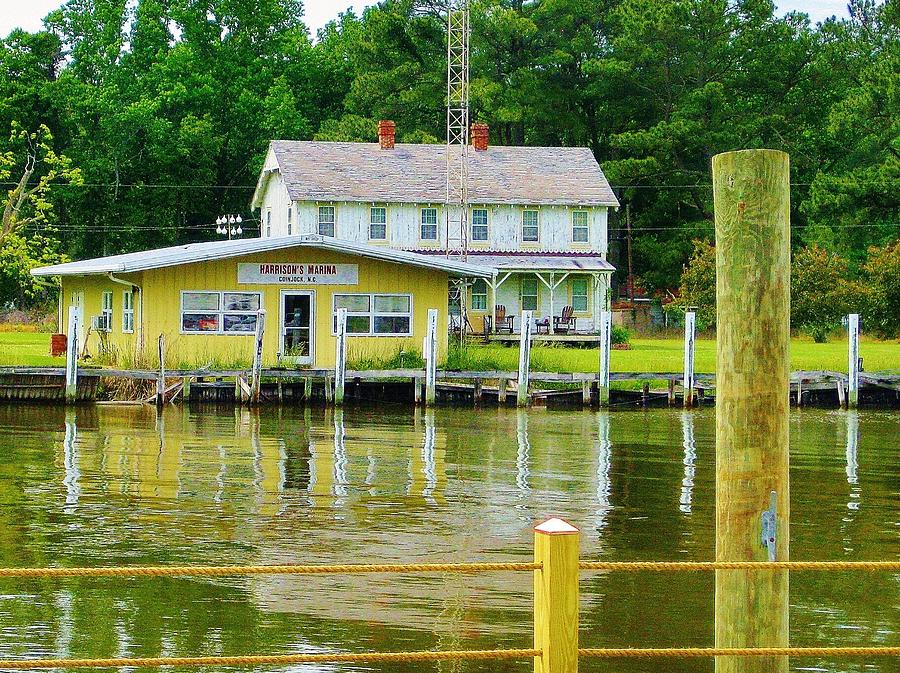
column 550, row 317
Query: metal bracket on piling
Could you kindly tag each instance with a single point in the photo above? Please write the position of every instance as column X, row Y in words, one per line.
column 770, row 526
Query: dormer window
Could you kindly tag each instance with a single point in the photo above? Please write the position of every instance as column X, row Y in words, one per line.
column 579, row 226
column 326, row 220
column 530, row 226
column 377, row 224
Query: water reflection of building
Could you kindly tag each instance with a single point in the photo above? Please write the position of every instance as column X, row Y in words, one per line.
column 689, row 460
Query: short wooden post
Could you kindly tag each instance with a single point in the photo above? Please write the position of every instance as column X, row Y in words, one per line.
column 72, row 356
column 586, row 393
column 671, row 395
column 340, row 356
column 501, row 391
column 524, row 359
column 307, row 389
column 853, row 360
column 186, row 388
column 842, row 400
column 556, row 597
column 476, row 391
column 751, row 193
column 605, row 348
column 689, row 333
column 430, row 352
column 329, row 389
column 256, row 376
column 645, row 393
column 417, row 389
column 161, row 375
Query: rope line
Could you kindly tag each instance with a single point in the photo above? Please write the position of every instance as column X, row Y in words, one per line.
column 254, row 660
column 693, row 652
column 221, row 571
column 693, row 566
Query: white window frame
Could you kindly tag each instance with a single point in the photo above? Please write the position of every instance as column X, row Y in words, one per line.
column 423, row 224
column 382, row 223
column 486, row 226
column 268, row 222
column 220, row 312
column 479, row 294
column 586, row 227
column 290, row 223
column 536, row 226
column 586, row 295
column 127, row 311
column 332, row 223
column 372, row 313
column 106, row 308
column 536, row 295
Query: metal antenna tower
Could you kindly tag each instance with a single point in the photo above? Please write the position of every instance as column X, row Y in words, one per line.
column 457, row 128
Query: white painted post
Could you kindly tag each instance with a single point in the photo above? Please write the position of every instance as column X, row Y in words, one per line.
column 161, row 376
column 430, row 352
column 689, row 329
column 256, row 381
column 524, row 359
column 853, row 360
column 340, row 356
column 72, row 356
column 605, row 348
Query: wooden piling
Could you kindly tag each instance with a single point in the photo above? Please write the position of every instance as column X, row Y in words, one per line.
column 690, row 322
column 842, row 399
column 524, row 359
column 501, row 392
column 72, row 356
column 605, row 348
column 645, row 394
column 476, row 392
column 852, row 360
column 556, row 597
column 671, row 394
column 430, row 352
column 340, row 356
column 752, row 219
column 161, row 375
column 417, row 389
column 256, row 376
column 307, row 390
column 585, row 393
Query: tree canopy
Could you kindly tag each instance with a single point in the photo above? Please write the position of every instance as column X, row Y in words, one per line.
column 165, row 107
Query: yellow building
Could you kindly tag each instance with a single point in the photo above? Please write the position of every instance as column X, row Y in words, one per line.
column 206, row 297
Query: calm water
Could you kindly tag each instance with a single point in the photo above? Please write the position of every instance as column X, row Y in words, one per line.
column 114, row 485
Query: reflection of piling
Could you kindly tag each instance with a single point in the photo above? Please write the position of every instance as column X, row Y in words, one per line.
column 752, row 218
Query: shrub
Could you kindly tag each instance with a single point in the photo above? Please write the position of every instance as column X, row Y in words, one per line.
column 697, row 289
column 620, row 335
column 881, row 304
column 821, row 292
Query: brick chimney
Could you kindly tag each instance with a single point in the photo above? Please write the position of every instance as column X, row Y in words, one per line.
column 386, row 131
column 480, row 136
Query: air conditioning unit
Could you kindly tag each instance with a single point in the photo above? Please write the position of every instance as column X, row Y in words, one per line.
column 102, row 322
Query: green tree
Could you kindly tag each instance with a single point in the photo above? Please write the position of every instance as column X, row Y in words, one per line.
column 697, row 290
column 821, row 291
column 881, row 314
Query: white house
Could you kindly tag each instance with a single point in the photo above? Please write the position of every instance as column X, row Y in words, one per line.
column 537, row 216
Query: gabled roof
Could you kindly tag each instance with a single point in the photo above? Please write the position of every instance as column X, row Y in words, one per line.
column 203, row 252
column 341, row 171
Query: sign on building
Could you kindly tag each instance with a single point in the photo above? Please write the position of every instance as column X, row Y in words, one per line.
column 298, row 274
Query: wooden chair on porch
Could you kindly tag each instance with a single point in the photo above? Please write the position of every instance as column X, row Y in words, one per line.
column 565, row 322
column 502, row 321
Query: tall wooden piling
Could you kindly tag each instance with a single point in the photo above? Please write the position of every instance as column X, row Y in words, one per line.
column 340, row 356
column 556, row 597
column 256, row 376
column 524, row 359
column 852, row 360
column 72, row 356
column 605, row 348
column 429, row 351
column 752, row 218
column 690, row 333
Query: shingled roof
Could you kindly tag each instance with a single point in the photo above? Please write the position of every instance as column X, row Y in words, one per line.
column 341, row 171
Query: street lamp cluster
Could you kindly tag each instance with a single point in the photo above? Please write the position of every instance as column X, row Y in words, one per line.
column 229, row 225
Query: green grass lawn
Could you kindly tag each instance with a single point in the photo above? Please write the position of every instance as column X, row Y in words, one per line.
column 646, row 355
column 30, row 349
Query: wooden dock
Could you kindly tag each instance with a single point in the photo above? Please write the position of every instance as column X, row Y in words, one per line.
column 293, row 386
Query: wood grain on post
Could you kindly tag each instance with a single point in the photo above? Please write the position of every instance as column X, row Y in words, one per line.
column 556, row 544
column 751, row 192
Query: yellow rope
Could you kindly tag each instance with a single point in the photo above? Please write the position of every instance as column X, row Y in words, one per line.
column 611, row 652
column 254, row 660
column 220, row 571
column 739, row 565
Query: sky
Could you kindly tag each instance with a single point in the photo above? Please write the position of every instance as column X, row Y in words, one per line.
column 27, row 14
